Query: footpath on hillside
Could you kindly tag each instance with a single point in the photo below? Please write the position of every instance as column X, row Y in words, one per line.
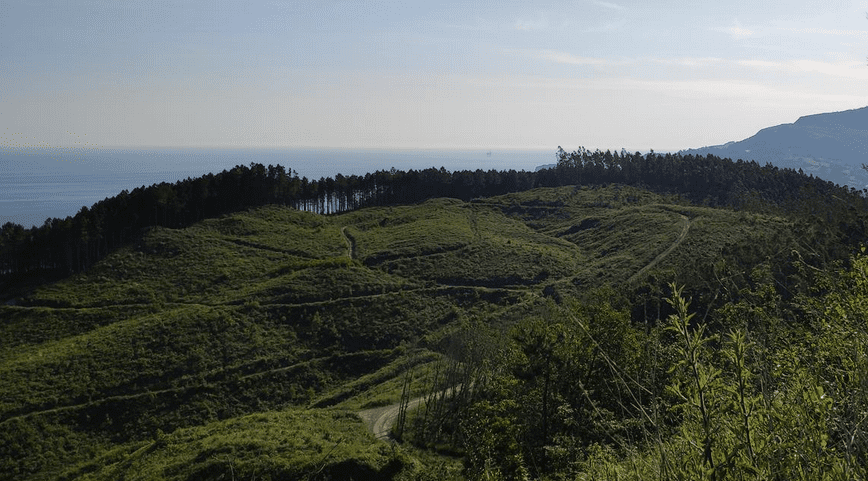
column 351, row 243
column 663, row 254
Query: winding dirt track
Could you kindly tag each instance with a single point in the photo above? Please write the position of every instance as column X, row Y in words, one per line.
column 380, row 420
column 351, row 243
column 663, row 254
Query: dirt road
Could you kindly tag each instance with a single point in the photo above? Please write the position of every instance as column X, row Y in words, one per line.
column 665, row 253
column 380, row 420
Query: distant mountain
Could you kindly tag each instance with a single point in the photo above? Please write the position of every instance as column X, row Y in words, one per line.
column 831, row 146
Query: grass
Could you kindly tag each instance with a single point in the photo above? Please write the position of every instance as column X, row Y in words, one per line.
column 290, row 444
column 198, row 331
column 435, row 226
column 384, row 386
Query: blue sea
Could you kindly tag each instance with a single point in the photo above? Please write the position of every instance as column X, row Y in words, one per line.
column 36, row 185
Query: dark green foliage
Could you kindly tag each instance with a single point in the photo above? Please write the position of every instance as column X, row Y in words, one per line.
column 62, row 246
column 290, row 444
column 534, row 322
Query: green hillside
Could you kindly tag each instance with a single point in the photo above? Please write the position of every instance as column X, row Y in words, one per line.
column 243, row 346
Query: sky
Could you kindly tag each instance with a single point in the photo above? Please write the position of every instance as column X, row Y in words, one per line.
column 662, row 75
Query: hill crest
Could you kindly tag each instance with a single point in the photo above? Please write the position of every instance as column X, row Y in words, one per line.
column 830, row 145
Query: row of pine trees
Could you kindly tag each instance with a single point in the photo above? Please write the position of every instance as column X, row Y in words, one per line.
column 63, row 246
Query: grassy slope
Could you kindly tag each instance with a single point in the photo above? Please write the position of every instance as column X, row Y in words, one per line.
column 273, row 309
column 288, row 444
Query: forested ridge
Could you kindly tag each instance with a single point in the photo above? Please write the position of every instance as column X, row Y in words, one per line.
column 679, row 325
column 63, row 246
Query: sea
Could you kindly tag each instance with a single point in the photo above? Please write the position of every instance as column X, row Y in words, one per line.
column 41, row 184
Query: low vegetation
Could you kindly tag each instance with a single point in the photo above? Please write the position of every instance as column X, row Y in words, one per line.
column 576, row 332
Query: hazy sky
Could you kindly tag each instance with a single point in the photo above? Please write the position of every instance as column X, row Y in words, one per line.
column 430, row 74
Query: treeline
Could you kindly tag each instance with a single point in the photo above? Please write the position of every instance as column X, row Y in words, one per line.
column 763, row 388
column 708, row 180
column 64, row 246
